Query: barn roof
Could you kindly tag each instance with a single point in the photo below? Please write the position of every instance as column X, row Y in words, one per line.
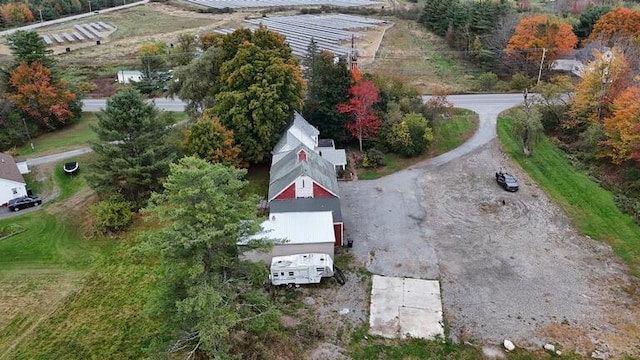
column 308, row 204
column 289, row 168
column 9, row 170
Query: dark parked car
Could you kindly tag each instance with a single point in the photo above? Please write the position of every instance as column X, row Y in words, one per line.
column 507, row 181
column 24, row 202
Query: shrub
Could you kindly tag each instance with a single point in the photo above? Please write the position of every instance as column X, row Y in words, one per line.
column 487, row 81
column 373, row 158
column 520, row 82
column 112, row 214
column 411, row 136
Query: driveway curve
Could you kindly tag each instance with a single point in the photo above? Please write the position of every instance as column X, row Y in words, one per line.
column 385, row 217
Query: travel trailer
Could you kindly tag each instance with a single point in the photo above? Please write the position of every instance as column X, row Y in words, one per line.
column 300, row 269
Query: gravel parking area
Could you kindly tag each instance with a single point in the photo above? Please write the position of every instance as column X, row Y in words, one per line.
column 510, row 265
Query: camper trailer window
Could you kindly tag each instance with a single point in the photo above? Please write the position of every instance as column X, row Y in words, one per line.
column 275, row 274
column 282, row 273
column 319, row 269
column 290, row 273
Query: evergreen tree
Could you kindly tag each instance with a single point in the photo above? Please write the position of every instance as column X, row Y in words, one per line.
column 132, row 154
column 328, row 83
column 213, row 297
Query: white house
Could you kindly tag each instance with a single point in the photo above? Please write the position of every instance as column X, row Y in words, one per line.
column 295, row 233
column 126, row 76
column 12, row 184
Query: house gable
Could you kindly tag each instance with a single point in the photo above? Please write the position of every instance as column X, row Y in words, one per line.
column 291, row 170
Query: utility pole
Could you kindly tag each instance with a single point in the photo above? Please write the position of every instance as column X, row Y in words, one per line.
column 544, row 53
column 40, row 15
column 28, row 136
column 89, row 5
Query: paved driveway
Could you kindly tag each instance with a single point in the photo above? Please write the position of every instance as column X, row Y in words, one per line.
column 508, row 270
column 384, row 216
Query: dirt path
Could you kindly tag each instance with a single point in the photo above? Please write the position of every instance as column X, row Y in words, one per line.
column 515, row 271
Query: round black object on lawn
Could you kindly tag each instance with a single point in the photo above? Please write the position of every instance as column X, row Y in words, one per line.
column 71, row 168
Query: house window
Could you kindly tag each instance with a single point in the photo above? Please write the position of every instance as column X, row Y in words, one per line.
column 275, row 275
column 14, row 191
column 302, row 155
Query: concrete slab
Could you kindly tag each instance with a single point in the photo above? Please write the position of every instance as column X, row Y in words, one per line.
column 404, row 307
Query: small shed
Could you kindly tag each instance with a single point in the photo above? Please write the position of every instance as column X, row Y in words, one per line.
column 295, row 233
column 127, row 76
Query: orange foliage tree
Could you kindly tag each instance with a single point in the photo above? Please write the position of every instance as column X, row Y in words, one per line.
column 617, row 22
column 622, row 128
column 16, row 14
column 602, row 82
column 46, row 101
column 210, row 140
column 535, row 33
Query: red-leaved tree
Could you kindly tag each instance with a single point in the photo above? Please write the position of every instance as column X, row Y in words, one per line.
column 364, row 122
column 38, row 96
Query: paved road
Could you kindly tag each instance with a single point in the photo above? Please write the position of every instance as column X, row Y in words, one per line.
column 172, row 105
column 488, row 107
column 95, row 105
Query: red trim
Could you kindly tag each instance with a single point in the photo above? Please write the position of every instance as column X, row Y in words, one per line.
column 288, row 193
column 320, row 192
column 338, row 231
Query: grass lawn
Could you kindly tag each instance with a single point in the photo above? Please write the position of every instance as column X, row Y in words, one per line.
column 591, row 208
column 74, row 136
column 105, row 317
column 43, row 260
column 448, row 134
column 414, row 55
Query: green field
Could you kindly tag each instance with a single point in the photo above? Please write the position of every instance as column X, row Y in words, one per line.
column 591, row 208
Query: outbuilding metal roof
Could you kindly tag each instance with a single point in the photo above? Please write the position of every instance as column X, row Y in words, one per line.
column 298, row 227
column 308, row 204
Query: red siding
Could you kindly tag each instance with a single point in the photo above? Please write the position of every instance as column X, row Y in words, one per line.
column 319, row 192
column 288, row 193
column 337, row 230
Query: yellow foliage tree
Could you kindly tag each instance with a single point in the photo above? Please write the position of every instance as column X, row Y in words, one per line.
column 602, row 82
column 622, row 128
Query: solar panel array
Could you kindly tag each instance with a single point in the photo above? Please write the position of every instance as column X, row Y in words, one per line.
column 330, row 32
column 90, row 31
column 239, row 4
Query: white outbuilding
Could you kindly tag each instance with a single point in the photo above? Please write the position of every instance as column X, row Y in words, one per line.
column 295, row 233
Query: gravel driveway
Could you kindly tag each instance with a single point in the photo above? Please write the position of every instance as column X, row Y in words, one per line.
column 515, row 270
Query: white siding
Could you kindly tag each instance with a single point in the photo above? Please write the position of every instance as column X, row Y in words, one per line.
column 304, row 187
column 11, row 190
column 290, row 249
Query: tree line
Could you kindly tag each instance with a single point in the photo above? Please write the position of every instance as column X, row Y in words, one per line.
column 15, row 14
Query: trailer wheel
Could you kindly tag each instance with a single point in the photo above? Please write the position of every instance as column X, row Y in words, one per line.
column 339, row 275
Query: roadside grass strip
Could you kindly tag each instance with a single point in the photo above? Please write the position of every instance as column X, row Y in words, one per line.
column 591, row 208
